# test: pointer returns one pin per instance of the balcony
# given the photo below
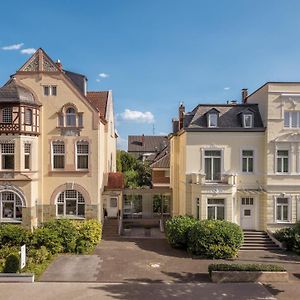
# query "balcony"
(230, 179)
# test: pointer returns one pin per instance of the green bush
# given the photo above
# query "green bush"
(38, 256)
(290, 237)
(287, 236)
(13, 235)
(245, 267)
(89, 235)
(66, 231)
(47, 237)
(177, 230)
(215, 239)
(5, 251)
(12, 264)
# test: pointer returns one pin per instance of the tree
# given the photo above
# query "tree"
(136, 173)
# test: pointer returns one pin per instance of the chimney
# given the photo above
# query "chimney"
(175, 125)
(59, 65)
(181, 115)
(244, 95)
(143, 139)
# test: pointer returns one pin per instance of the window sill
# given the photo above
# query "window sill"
(14, 221)
(69, 171)
(70, 217)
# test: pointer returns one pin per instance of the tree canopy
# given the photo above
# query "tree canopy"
(137, 173)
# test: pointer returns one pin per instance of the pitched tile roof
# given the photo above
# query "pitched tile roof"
(162, 160)
(115, 181)
(229, 117)
(147, 143)
(98, 101)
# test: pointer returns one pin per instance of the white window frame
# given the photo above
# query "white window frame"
(246, 115)
(2, 153)
(79, 201)
(57, 154)
(82, 154)
(210, 115)
(282, 161)
(253, 163)
(288, 119)
(16, 199)
(27, 152)
(221, 162)
(289, 209)
(215, 206)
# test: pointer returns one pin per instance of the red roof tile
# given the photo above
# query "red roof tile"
(115, 181)
(99, 101)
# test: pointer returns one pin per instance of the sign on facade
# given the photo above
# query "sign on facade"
(23, 257)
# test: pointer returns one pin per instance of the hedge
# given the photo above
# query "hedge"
(177, 230)
(13, 235)
(245, 267)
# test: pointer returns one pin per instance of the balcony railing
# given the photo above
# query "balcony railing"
(198, 178)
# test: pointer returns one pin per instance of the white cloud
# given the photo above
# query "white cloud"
(162, 133)
(137, 116)
(98, 80)
(226, 88)
(13, 47)
(103, 75)
(28, 51)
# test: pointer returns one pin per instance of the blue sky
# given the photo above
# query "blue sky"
(160, 52)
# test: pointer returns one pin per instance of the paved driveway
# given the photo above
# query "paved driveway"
(150, 260)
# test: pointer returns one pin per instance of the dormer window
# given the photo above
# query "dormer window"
(213, 120)
(247, 120)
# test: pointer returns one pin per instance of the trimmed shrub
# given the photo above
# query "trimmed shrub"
(215, 239)
(245, 267)
(12, 264)
(13, 235)
(47, 237)
(290, 237)
(66, 231)
(177, 230)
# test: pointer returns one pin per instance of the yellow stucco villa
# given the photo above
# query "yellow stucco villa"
(240, 162)
(57, 144)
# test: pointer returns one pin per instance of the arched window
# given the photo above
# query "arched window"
(71, 117)
(7, 115)
(28, 116)
(11, 205)
(70, 203)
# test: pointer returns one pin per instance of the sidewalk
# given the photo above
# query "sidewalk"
(133, 291)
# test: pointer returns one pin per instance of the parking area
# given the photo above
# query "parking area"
(150, 260)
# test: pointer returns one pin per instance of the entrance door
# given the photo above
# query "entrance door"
(112, 207)
(247, 213)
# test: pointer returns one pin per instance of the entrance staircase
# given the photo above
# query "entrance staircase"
(110, 229)
(258, 240)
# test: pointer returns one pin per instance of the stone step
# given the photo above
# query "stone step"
(244, 248)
